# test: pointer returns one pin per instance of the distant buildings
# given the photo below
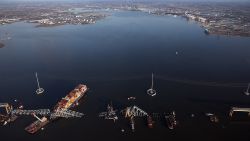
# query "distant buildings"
(196, 18)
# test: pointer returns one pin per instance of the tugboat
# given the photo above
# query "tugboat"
(171, 120)
(150, 122)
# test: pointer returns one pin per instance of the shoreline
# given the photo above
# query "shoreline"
(208, 29)
(217, 19)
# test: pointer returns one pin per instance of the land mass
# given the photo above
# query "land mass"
(48, 15)
(220, 18)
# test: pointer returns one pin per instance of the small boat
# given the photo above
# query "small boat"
(131, 98)
(206, 31)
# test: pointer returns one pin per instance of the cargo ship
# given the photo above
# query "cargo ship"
(67, 102)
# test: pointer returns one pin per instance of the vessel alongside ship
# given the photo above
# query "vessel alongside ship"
(171, 120)
(65, 103)
(37, 125)
(150, 122)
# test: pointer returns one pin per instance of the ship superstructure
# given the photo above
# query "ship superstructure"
(72, 98)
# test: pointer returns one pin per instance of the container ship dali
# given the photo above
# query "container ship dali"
(67, 102)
